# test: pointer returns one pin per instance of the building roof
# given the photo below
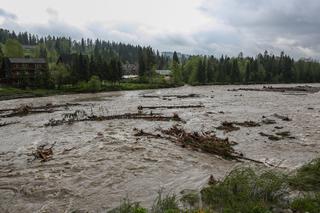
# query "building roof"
(163, 72)
(27, 60)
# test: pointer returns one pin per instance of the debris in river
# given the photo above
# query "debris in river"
(43, 153)
(204, 141)
(172, 96)
(233, 126)
(199, 141)
(81, 116)
(284, 118)
(270, 137)
(285, 134)
(228, 127)
(303, 89)
(268, 121)
(170, 107)
(278, 136)
(248, 124)
(7, 123)
(278, 127)
(24, 110)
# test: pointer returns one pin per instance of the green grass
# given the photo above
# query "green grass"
(165, 204)
(127, 206)
(245, 191)
(307, 178)
(309, 204)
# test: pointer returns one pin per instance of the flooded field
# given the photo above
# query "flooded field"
(96, 163)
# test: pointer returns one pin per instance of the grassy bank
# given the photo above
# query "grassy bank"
(7, 93)
(245, 190)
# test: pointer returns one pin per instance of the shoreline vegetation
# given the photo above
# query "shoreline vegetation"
(9, 92)
(244, 190)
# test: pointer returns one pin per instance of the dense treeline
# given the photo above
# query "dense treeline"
(266, 68)
(104, 59)
(85, 58)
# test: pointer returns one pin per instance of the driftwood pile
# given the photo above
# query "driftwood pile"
(206, 142)
(299, 89)
(81, 116)
(43, 154)
(25, 110)
(234, 126)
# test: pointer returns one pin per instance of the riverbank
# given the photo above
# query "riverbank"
(8, 93)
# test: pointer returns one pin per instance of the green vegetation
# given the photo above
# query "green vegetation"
(82, 87)
(128, 207)
(165, 203)
(13, 48)
(309, 204)
(247, 190)
(307, 177)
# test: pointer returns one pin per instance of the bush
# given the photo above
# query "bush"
(307, 204)
(307, 177)
(246, 192)
(94, 84)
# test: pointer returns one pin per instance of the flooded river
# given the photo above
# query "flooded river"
(96, 163)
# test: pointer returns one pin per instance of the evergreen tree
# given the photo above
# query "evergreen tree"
(175, 57)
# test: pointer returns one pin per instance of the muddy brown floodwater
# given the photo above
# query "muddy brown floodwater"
(96, 163)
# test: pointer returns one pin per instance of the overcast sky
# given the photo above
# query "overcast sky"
(189, 26)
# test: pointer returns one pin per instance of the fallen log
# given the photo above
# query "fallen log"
(298, 89)
(172, 96)
(170, 107)
(81, 116)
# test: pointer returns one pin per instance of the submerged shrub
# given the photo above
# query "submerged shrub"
(307, 177)
(246, 191)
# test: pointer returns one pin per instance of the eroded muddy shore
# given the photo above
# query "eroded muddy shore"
(97, 162)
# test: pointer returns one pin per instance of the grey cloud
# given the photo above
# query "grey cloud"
(52, 12)
(263, 23)
(52, 27)
(6, 14)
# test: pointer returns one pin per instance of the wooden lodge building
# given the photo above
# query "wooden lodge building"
(13, 68)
